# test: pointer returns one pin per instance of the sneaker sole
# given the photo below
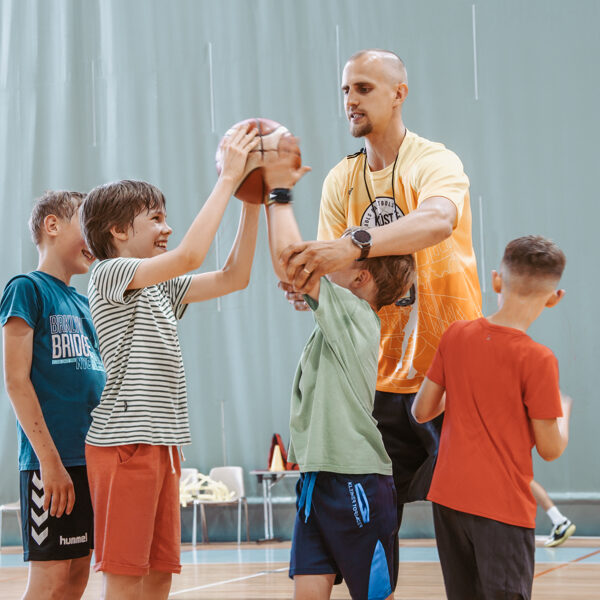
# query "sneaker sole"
(565, 536)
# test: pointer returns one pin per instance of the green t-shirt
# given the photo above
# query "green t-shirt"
(331, 425)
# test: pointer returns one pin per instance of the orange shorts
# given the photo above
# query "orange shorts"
(135, 496)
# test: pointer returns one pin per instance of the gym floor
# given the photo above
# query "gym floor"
(254, 571)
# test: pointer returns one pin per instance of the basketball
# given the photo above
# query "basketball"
(270, 133)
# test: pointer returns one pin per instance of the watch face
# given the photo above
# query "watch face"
(362, 236)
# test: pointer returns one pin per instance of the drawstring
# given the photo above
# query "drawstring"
(171, 455)
(308, 485)
(171, 459)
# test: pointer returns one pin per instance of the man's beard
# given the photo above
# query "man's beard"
(361, 130)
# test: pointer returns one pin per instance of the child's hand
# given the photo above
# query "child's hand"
(59, 493)
(235, 149)
(283, 172)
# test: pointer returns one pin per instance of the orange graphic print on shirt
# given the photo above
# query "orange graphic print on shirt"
(447, 285)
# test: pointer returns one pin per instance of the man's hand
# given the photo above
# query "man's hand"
(296, 299)
(306, 262)
(59, 493)
(285, 170)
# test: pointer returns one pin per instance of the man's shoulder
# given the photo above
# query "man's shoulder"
(420, 149)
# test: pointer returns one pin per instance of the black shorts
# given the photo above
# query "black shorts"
(50, 538)
(483, 559)
(346, 525)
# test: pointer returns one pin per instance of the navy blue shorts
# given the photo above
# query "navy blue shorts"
(350, 531)
(48, 538)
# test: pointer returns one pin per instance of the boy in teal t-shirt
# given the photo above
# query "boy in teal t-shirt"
(54, 377)
(346, 524)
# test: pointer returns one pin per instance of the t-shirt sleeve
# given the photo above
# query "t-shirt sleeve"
(332, 213)
(441, 173)
(111, 278)
(176, 289)
(334, 310)
(20, 299)
(436, 371)
(541, 388)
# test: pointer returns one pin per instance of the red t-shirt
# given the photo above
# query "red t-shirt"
(496, 380)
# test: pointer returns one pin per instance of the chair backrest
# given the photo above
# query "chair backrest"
(188, 475)
(232, 477)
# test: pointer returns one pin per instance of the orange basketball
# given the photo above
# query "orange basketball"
(253, 188)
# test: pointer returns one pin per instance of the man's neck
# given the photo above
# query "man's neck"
(382, 149)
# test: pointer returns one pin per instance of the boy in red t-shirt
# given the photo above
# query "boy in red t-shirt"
(500, 393)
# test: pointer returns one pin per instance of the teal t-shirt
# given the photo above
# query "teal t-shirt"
(66, 369)
(331, 425)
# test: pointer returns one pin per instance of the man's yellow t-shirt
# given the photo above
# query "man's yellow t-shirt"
(447, 283)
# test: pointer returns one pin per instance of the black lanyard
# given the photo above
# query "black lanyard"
(412, 296)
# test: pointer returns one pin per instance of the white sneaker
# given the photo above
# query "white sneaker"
(560, 533)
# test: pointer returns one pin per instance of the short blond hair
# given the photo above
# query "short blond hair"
(61, 203)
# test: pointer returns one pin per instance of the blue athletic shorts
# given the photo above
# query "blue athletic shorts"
(48, 538)
(346, 525)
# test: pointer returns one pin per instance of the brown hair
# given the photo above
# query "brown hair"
(393, 275)
(115, 204)
(61, 203)
(533, 258)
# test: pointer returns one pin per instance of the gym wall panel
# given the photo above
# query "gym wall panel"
(92, 91)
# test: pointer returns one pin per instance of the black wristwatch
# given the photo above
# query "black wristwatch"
(362, 238)
(280, 196)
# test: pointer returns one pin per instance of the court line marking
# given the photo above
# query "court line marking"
(566, 564)
(226, 581)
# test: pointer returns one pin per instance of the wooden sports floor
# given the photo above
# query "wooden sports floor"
(254, 571)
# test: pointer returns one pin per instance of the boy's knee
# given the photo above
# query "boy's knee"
(78, 578)
(51, 583)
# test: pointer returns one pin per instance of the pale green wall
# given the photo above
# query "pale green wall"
(97, 90)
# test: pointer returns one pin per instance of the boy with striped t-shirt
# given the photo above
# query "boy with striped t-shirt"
(137, 293)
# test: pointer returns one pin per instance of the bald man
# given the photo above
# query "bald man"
(409, 195)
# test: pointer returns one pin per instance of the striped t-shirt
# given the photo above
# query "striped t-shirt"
(144, 400)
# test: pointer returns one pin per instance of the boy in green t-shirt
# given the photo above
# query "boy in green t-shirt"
(346, 523)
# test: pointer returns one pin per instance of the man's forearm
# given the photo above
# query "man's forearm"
(427, 226)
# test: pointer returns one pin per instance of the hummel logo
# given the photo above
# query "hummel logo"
(79, 539)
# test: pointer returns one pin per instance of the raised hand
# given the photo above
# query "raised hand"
(234, 151)
(285, 170)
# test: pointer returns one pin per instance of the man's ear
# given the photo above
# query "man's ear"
(401, 93)
(496, 282)
(555, 298)
(119, 234)
(51, 225)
